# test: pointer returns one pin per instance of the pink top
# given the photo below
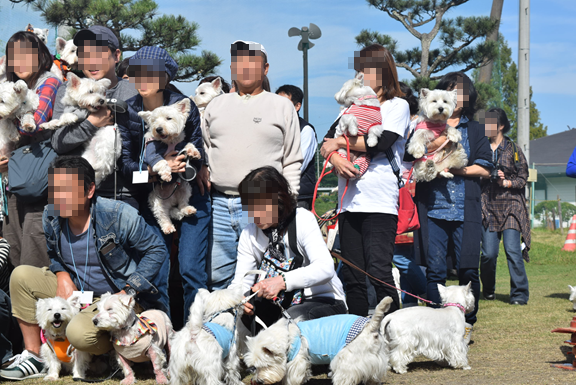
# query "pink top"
(436, 128)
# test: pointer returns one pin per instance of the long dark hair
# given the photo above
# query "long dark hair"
(44, 57)
(377, 56)
(460, 80)
(268, 183)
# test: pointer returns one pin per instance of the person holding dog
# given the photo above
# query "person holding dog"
(245, 130)
(504, 212)
(369, 216)
(28, 59)
(96, 245)
(151, 69)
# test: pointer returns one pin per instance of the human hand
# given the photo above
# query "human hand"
(501, 174)
(270, 287)
(102, 117)
(248, 308)
(203, 179)
(4, 166)
(329, 146)
(175, 161)
(436, 143)
(64, 285)
(343, 167)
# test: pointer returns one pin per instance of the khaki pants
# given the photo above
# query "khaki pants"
(29, 283)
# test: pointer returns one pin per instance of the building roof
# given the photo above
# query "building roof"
(555, 148)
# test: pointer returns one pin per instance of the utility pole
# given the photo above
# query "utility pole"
(524, 79)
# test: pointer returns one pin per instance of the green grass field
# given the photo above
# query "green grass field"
(512, 344)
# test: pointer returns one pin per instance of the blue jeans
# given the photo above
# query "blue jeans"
(512, 247)
(439, 234)
(412, 278)
(228, 221)
(192, 251)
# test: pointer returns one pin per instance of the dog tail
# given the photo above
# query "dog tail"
(196, 318)
(381, 309)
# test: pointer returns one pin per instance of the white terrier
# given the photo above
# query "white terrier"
(82, 97)
(166, 124)
(573, 296)
(136, 338)
(361, 117)
(16, 102)
(435, 108)
(3, 69)
(204, 352)
(42, 33)
(205, 92)
(67, 55)
(53, 315)
(435, 333)
(286, 350)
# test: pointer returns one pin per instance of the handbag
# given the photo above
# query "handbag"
(407, 214)
(28, 171)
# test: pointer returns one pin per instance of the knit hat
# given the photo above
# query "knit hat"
(157, 58)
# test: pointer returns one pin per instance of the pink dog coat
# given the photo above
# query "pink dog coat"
(436, 128)
(151, 326)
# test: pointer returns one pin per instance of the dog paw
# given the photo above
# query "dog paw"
(446, 174)
(193, 153)
(161, 379)
(372, 141)
(51, 377)
(188, 210)
(466, 368)
(128, 380)
(165, 175)
(168, 229)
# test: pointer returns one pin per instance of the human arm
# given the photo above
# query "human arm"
(64, 285)
(292, 156)
(571, 166)
(46, 96)
(471, 171)
(481, 165)
(309, 144)
(358, 143)
(518, 178)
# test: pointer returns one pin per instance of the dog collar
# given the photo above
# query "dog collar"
(456, 305)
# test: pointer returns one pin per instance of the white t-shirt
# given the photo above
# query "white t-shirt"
(377, 190)
(316, 276)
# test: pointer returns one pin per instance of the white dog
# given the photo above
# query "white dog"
(166, 124)
(204, 352)
(435, 333)
(53, 315)
(82, 97)
(286, 350)
(205, 92)
(435, 108)
(42, 33)
(66, 58)
(361, 117)
(573, 296)
(16, 102)
(136, 338)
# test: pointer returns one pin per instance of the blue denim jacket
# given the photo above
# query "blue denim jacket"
(133, 253)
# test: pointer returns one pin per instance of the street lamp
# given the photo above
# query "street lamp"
(307, 33)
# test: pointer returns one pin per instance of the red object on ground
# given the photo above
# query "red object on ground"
(572, 341)
(570, 244)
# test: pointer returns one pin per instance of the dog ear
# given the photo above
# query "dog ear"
(74, 301)
(469, 286)
(105, 82)
(570, 287)
(126, 300)
(217, 84)
(145, 115)
(40, 307)
(454, 94)
(60, 44)
(73, 80)
(441, 291)
(46, 31)
(184, 106)
(360, 77)
(424, 92)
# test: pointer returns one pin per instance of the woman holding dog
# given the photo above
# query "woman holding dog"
(29, 59)
(449, 209)
(369, 212)
(504, 212)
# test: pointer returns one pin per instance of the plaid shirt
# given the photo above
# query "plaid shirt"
(47, 95)
(505, 208)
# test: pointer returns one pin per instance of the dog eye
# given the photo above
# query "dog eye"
(433, 101)
(444, 101)
(168, 118)
(91, 91)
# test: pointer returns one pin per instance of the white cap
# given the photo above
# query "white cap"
(252, 46)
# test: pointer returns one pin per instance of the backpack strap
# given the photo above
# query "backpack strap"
(394, 165)
(296, 263)
(516, 156)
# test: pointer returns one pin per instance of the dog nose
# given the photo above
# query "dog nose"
(102, 101)
(160, 130)
(440, 109)
(57, 315)
(95, 321)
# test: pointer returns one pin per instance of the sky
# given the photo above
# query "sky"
(552, 53)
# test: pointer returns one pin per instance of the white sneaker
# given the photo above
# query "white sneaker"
(27, 365)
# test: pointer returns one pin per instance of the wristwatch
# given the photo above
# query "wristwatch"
(130, 291)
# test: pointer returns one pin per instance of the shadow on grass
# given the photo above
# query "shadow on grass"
(558, 295)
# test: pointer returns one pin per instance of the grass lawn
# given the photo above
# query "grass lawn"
(512, 344)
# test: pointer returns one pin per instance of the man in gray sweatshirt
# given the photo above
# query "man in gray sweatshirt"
(98, 54)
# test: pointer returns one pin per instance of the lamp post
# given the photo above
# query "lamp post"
(307, 33)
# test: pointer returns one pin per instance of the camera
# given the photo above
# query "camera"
(494, 174)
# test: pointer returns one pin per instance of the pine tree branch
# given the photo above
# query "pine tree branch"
(450, 56)
(414, 72)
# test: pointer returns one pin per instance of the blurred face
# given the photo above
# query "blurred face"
(24, 59)
(264, 212)
(97, 62)
(66, 192)
(463, 98)
(248, 71)
(491, 127)
(148, 81)
(373, 78)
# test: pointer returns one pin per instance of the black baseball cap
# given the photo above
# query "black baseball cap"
(101, 35)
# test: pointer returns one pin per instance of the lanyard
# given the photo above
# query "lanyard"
(72, 253)
(143, 140)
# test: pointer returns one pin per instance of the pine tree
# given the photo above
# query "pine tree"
(457, 36)
(175, 34)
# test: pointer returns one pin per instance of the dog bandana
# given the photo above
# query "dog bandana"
(151, 328)
(144, 326)
(222, 335)
(60, 348)
(327, 336)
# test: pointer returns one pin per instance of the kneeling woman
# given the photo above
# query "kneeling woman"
(286, 242)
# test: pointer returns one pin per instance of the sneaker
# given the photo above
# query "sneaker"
(468, 333)
(26, 365)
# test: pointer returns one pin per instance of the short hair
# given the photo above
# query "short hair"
(501, 118)
(75, 162)
(377, 56)
(451, 81)
(295, 93)
(122, 68)
(210, 79)
(44, 57)
(268, 182)
(410, 97)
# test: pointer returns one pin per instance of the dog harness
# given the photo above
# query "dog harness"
(327, 336)
(436, 128)
(222, 335)
(59, 347)
(144, 326)
(151, 328)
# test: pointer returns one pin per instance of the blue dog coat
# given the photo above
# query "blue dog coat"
(222, 335)
(327, 336)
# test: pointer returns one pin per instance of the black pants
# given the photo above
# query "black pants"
(11, 342)
(367, 241)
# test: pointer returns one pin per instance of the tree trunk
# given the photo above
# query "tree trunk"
(495, 14)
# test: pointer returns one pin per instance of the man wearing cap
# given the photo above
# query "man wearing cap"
(98, 54)
(244, 131)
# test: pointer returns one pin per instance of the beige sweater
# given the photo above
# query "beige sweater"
(243, 133)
